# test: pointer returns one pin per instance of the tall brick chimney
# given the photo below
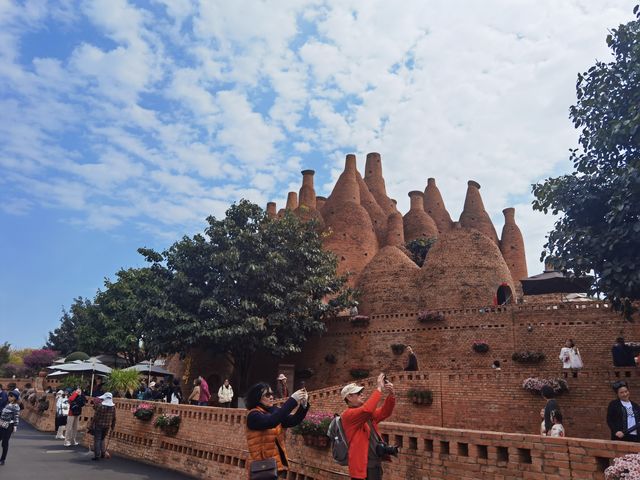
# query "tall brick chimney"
(474, 215)
(512, 246)
(434, 206)
(378, 217)
(307, 193)
(292, 201)
(417, 224)
(271, 209)
(346, 188)
(395, 232)
(375, 181)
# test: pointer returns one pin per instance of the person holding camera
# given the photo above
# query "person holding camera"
(360, 424)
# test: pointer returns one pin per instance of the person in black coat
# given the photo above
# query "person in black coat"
(622, 354)
(622, 415)
(552, 405)
(412, 360)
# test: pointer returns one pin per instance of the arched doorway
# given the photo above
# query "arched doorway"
(504, 295)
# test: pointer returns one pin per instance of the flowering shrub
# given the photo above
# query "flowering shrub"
(359, 320)
(480, 346)
(398, 348)
(143, 411)
(527, 357)
(167, 420)
(314, 424)
(535, 384)
(624, 468)
(429, 316)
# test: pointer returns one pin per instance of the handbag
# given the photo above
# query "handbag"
(263, 469)
(4, 424)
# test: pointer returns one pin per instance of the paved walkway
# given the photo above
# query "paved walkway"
(35, 455)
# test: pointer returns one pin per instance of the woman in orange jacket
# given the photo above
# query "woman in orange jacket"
(356, 422)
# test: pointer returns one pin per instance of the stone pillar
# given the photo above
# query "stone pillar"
(434, 206)
(474, 215)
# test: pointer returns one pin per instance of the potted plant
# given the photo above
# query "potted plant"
(168, 422)
(427, 316)
(535, 384)
(527, 356)
(359, 321)
(143, 411)
(480, 346)
(120, 381)
(398, 348)
(359, 372)
(313, 429)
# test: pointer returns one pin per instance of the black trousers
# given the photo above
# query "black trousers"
(99, 447)
(5, 435)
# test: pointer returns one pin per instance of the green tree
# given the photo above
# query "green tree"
(419, 248)
(249, 284)
(599, 203)
(4, 353)
(65, 338)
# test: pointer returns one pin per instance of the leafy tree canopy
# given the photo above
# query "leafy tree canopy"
(38, 359)
(599, 203)
(419, 248)
(249, 283)
(4, 353)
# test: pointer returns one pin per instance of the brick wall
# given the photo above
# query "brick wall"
(211, 444)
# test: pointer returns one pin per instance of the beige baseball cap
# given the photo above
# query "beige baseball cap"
(349, 389)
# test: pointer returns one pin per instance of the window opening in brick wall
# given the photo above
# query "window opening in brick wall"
(463, 449)
(503, 454)
(524, 455)
(602, 463)
(413, 443)
(483, 451)
(399, 440)
(428, 445)
(444, 448)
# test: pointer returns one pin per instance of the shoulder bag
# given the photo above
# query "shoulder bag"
(263, 469)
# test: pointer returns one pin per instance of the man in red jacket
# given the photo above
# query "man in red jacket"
(356, 422)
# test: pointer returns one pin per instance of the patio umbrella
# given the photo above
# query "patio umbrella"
(148, 368)
(85, 367)
(552, 281)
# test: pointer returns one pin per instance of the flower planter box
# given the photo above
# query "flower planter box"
(428, 317)
(420, 397)
(359, 321)
(359, 373)
(528, 357)
(480, 347)
(398, 348)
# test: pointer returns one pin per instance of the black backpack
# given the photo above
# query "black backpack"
(77, 404)
(339, 444)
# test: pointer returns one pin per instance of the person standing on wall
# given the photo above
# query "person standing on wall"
(225, 394)
(412, 360)
(203, 400)
(76, 402)
(9, 418)
(195, 393)
(552, 405)
(570, 356)
(622, 354)
(104, 419)
(623, 415)
(282, 390)
(266, 425)
(360, 424)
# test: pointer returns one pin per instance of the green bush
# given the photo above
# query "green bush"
(120, 381)
(76, 356)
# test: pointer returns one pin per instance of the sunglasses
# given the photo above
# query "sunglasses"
(267, 394)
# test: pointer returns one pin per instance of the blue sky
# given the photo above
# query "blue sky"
(125, 123)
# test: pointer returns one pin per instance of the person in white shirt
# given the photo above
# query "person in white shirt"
(225, 394)
(570, 356)
(623, 415)
(557, 430)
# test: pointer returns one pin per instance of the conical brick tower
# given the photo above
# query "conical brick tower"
(351, 235)
(434, 206)
(368, 201)
(395, 231)
(474, 215)
(307, 200)
(375, 181)
(512, 248)
(271, 210)
(417, 223)
(292, 203)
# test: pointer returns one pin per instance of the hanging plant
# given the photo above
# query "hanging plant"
(359, 372)
(330, 358)
(480, 347)
(427, 316)
(305, 373)
(398, 348)
(527, 357)
(420, 396)
(535, 384)
(143, 411)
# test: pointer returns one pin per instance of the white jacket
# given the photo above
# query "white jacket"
(571, 357)
(225, 395)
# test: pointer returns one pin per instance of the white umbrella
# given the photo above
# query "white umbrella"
(85, 367)
(147, 367)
